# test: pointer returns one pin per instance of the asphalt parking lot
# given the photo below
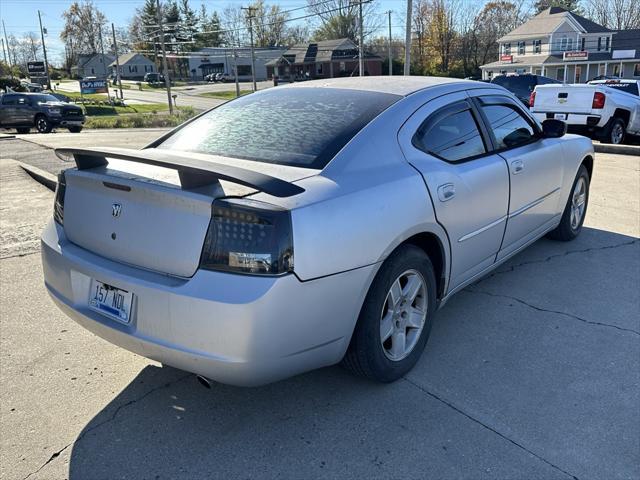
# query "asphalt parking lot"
(531, 373)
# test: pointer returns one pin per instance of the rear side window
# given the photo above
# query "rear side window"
(9, 99)
(302, 127)
(509, 127)
(454, 136)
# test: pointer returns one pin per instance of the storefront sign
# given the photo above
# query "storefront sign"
(93, 86)
(506, 58)
(568, 56)
(36, 69)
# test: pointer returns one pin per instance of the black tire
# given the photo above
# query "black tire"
(565, 231)
(43, 125)
(614, 132)
(23, 130)
(366, 354)
(75, 129)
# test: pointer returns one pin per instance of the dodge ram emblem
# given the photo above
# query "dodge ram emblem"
(116, 210)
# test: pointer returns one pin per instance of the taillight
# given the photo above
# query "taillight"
(598, 100)
(246, 236)
(58, 203)
(532, 99)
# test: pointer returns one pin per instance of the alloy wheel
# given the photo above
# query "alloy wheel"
(617, 133)
(578, 202)
(403, 315)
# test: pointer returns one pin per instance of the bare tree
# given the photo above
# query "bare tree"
(339, 19)
(614, 14)
(83, 23)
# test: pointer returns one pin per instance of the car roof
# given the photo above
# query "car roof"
(398, 85)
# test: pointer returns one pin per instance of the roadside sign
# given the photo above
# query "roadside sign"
(506, 58)
(575, 56)
(36, 69)
(93, 86)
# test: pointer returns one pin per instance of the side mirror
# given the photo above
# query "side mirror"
(552, 128)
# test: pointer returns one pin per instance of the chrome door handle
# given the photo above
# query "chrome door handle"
(446, 192)
(517, 166)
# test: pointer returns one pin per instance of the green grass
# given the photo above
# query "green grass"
(101, 110)
(227, 95)
(141, 120)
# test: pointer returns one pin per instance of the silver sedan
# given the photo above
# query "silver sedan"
(308, 225)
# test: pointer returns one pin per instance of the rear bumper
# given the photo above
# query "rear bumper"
(574, 119)
(235, 329)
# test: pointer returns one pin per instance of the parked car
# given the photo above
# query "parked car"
(608, 110)
(334, 234)
(522, 85)
(31, 87)
(153, 77)
(45, 112)
(226, 77)
(213, 77)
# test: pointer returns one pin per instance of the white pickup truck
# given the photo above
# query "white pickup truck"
(608, 110)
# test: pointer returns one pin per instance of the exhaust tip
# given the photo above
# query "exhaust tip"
(203, 381)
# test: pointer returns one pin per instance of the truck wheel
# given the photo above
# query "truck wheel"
(575, 209)
(23, 130)
(43, 125)
(615, 133)
(75, 129)
(396, 317)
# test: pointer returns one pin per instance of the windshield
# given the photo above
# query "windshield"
(302, 127)
(44, 98)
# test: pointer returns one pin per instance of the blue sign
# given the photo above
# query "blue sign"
(93, 86)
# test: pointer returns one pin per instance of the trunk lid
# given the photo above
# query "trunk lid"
(564, 98)
(140, 215)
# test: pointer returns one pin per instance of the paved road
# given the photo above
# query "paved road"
(188, 96)
(531, 373)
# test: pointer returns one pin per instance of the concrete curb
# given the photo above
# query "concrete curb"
(40, 176)
(619, 149)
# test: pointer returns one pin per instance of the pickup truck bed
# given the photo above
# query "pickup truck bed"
(606, 110)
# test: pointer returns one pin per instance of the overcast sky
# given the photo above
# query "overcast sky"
(21, 16)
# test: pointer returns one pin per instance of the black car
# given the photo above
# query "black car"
(522, 85)
(24, 111)
(153, 77)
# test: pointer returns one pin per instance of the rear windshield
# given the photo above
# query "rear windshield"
(302, 127)
(515, 83)
(624, 87)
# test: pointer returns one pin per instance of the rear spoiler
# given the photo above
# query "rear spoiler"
(193, 172)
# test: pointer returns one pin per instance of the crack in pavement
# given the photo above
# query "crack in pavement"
(545, 310)
(484, 425)
(551, 257)
(111, 419)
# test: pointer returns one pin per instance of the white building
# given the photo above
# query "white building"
(133, 66)
(221, 60)
(562, 45)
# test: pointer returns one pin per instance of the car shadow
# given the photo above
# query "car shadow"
(323, 424)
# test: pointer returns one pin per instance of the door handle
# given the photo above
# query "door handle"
(446, 192)
(517, 166)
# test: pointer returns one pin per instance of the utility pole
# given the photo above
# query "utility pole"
(44, 50)
(6, 42)
(360, 40)
(103, 60)
(253, 58)
(167, 81)
(390, 54)
(235, 72)
(407, 40)
(115, 48)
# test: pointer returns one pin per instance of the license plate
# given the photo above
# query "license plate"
(560, 116)
(110, 301)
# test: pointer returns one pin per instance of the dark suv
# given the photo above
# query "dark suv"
(522, 85)
(23, 111)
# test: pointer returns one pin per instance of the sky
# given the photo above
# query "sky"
(21, 16)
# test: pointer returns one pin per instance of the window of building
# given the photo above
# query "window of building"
(451, 136)
(319, 68)
(560, 74)
(616, 70)
(582, 43)
(506, 49)
(636, 70)
(606, 47)
(520, 48)
(538, 71)
(133, 69)
(537, 46)
(509, 126)
(244, 70)
(578, 74)
(603, 43)
(569, 44)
